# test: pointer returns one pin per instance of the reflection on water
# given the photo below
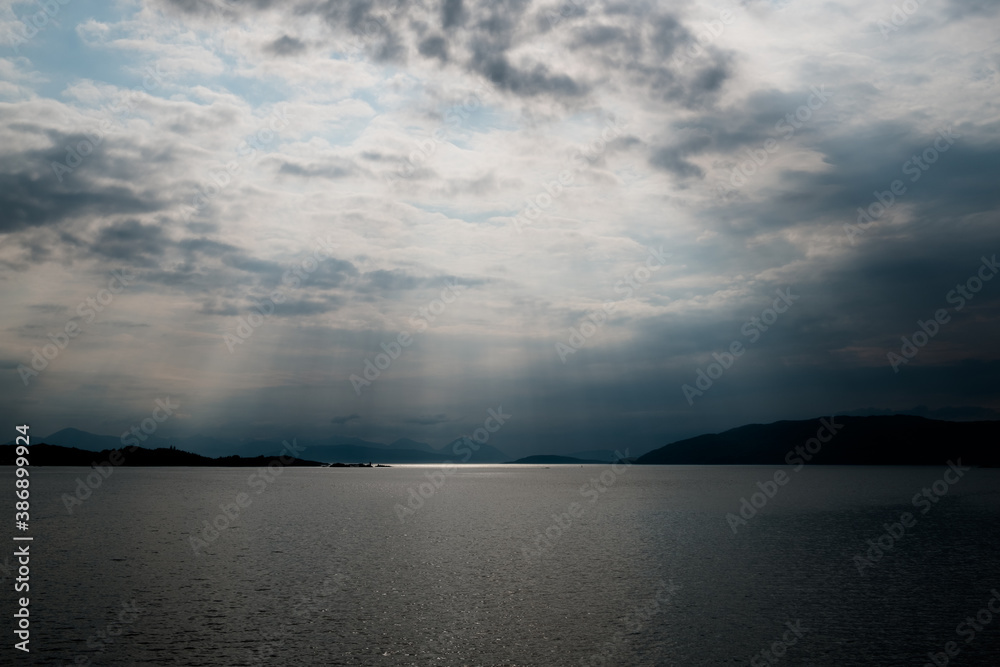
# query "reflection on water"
(512, 565)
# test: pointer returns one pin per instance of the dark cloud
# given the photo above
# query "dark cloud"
(697, 88)
(219, 307)
(673, 159)
(526, 82)
(131, 241)
(286, 46)
(552, 63)
(636, 40)
(963, 9)
(452, 13)
(205, 246)
(339, 168)
(330, 273)
(303, 307)
(388, 281)
(344, 419)
(598, 35)
(264, 267)
(434, 47)
(29, 200)
(667, 34)
(761, 116)
(392, 281)
(709, 80)
(428, 420)
(865, 162)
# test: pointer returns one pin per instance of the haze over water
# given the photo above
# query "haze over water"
(319, 569)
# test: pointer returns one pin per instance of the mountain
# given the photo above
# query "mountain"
(602, 455)
(464, 450)
(889, 440)
(406, 443)
(358, 442)
(74, 437)
(44, 454)
(458, 451)
(403, 450)
(253, 448)
(558, 460)
(362, 454)
(864, 440)
(205, 446)
(330, 450)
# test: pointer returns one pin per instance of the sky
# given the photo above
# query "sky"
(617, 223)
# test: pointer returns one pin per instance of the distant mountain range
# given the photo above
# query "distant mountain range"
(889, 440)
(330, 450)
(44, 454)
(846, 440)
(553, 459)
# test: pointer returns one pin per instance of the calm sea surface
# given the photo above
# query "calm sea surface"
(324, 567)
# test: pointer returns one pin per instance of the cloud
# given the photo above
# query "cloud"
(950, 413)
(434, 46)
(613, 39)
(501, 110)
(452, 13)
(286, 46)
(35, 199)
(130, 240)
(334, 169)
(49, 308)
(344, 419)
(428, 420)
(300, 307)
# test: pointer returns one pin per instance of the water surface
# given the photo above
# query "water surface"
(320, 569)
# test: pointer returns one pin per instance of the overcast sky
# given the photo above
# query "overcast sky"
(590, 201)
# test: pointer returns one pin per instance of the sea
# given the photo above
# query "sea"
(511, 565)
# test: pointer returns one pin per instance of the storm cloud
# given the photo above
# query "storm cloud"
(571, 209)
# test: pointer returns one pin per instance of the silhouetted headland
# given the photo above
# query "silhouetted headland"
(55, 455)
(882, 440)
